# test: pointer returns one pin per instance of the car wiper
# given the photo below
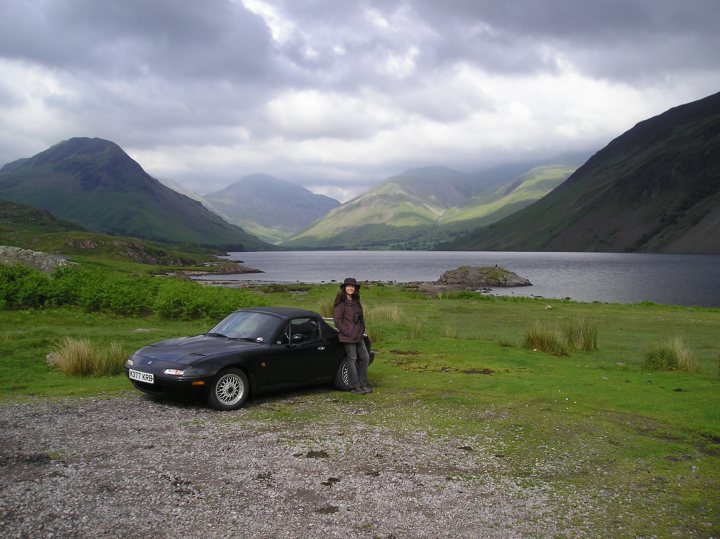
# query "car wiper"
(215, 334)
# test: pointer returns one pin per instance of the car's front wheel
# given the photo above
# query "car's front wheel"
(229, 390)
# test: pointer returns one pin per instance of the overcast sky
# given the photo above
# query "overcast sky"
(337, 95)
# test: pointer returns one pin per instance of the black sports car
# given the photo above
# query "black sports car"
(250, 351)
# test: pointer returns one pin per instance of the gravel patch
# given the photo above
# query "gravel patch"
(129, 466)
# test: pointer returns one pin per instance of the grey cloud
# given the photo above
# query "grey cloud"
(596, 35)
(134, 38)
(153, 74)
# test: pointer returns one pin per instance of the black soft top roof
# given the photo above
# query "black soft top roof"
(284, 312)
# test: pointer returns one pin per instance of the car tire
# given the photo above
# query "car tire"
(342, 377)
(229, 390)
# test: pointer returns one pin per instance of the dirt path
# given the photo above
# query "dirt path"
(127, 466)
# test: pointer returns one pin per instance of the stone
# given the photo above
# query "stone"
(42, 261)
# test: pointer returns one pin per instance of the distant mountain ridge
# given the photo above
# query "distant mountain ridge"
(422, 207)
(655, 188)
(269, 207)
(92, 182)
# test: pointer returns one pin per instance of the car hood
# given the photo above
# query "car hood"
(187, 350)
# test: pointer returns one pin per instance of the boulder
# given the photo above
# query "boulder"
(42, 261)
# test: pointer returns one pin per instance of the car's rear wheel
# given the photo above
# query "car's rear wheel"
(342, 378)
(229, 390)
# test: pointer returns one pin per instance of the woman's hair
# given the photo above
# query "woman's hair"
(341, 296)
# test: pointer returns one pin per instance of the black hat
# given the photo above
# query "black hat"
(350, 281)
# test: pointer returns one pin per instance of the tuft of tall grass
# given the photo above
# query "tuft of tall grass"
(326, 308)
(391, 313)
(79, 357)
(450, 331)
(671, 355)
(546, 338)
(417, 328)
(579, 334)
(582, 335)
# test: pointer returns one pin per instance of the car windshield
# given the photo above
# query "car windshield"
(247, 325)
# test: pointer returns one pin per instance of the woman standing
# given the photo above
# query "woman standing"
(348, 316)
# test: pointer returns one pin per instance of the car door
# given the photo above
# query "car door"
(300, 354)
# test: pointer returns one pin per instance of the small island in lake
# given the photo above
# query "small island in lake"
(476, 278)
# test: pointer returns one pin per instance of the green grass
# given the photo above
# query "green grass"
(643, 445)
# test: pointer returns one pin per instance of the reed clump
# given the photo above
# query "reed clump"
(577, 335)
(670, 355)
(80, 357)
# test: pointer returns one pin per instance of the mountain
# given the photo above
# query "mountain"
(422, 207)
(95, 184)
(655, 188)
(268, 207)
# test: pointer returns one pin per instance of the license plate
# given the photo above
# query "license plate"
(146, 377)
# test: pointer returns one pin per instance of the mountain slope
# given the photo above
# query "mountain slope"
(94, 183)
(655, 188)
(422, 207)
(268, 207)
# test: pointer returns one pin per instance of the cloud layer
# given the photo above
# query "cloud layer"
(339, 95)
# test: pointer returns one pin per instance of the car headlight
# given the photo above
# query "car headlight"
(174, 372)
(129, 362)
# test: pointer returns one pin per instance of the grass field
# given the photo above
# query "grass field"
(645, 446)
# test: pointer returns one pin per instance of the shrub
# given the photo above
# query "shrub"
(79, 357)
(22, 287)
(126, 295)
(672, 355)
(186, 300)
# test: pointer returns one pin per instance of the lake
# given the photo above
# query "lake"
(690, 280)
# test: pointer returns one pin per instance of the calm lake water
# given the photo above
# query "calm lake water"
(607, 277)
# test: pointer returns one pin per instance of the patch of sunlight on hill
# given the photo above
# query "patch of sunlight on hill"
(389, 206)
(535, 185)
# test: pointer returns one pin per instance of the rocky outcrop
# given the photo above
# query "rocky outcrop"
(476, 279)
(481, 277)
(42, 261)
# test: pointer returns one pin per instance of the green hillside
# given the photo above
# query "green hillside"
(424, 207)
(655, 188)
(38, 230)
(95, 184)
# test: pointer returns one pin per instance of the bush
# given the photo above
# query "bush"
(126, 295)
(186, 300)
(22, 287)
(79, 357)
(672, 355)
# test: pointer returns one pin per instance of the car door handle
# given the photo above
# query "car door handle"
(321, 348)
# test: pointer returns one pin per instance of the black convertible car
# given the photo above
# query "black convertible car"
(250, 351)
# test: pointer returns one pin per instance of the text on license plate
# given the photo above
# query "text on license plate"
(146, 377)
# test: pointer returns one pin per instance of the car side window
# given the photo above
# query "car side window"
(304, 329)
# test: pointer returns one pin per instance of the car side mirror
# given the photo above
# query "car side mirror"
(298, 337)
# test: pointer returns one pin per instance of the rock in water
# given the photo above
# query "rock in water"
(482, 276)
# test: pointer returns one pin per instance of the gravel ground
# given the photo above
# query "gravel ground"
(128, 466)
